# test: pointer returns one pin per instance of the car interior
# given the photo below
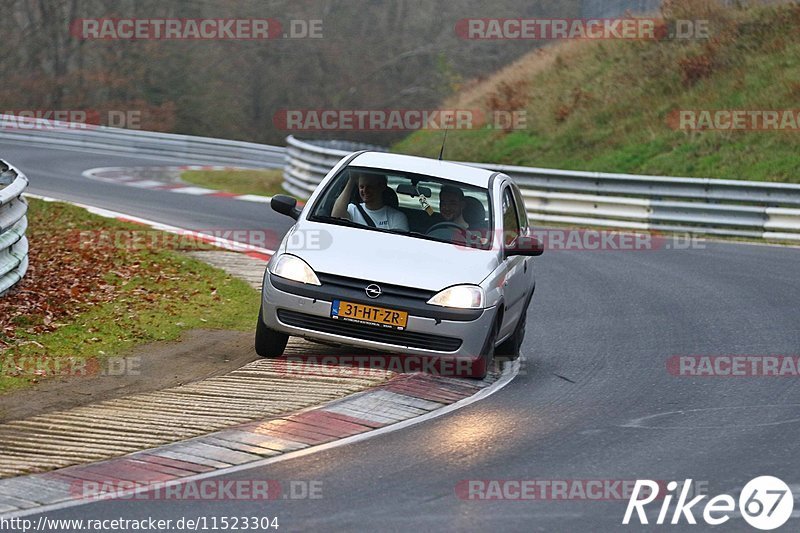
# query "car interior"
(405, 192)
(401, 187)
(419, 220)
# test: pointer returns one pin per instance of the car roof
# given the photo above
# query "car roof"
(477, 177)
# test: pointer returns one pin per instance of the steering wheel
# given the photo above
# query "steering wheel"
(442, 225)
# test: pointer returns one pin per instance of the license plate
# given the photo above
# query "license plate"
(367, 314)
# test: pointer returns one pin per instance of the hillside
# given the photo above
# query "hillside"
(610, 105)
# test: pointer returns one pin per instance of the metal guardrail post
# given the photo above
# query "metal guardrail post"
(13, 223)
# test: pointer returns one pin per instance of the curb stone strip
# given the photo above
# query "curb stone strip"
(148, 178)
(239, 445)
(162, 417)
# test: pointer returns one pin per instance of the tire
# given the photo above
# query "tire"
(510, 348)
(484, 362)
(269, 343)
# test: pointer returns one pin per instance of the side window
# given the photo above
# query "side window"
(521, 210)
(510, 217)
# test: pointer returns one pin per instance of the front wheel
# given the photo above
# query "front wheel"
(511, 347)
(486, 359)
(269, 343)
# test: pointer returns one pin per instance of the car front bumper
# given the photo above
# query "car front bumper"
(308, 317)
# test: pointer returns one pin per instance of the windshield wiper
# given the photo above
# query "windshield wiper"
(416, 234)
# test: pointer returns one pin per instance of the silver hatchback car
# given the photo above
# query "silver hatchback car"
(404, 255)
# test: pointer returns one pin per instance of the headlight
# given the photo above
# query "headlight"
(293, 268)
(460, 296)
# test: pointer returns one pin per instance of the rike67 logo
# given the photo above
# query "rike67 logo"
(765, 503)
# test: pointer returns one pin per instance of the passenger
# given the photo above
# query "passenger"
(371, 188)
(451, 205)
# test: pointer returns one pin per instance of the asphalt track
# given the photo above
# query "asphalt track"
(57, 173)
(601, 329)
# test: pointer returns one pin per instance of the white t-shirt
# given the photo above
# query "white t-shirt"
(384, 218)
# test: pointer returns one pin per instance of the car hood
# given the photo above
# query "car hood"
(386, 258)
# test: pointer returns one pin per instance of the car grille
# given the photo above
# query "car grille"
(388, 290)
(410, 339)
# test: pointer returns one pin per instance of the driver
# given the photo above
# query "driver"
(451, 205)
(370, 188)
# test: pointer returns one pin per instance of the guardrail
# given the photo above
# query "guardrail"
(188, 149)
(13, 223)
(689, 205)
(308, 162)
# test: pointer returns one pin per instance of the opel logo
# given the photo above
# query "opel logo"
(373, 291)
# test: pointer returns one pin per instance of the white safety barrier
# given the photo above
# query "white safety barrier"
(734, 208)
(13, 223)
(186, 148)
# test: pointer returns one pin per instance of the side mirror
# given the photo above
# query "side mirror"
(523, 245)
(285, 205)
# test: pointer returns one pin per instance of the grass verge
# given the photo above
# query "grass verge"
(87, 296)
(260, 182)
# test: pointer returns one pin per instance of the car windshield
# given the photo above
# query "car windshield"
(418, 206)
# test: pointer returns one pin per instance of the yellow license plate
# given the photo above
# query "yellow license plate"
(367, 314)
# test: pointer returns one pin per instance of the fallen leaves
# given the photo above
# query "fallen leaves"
(68, 275)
